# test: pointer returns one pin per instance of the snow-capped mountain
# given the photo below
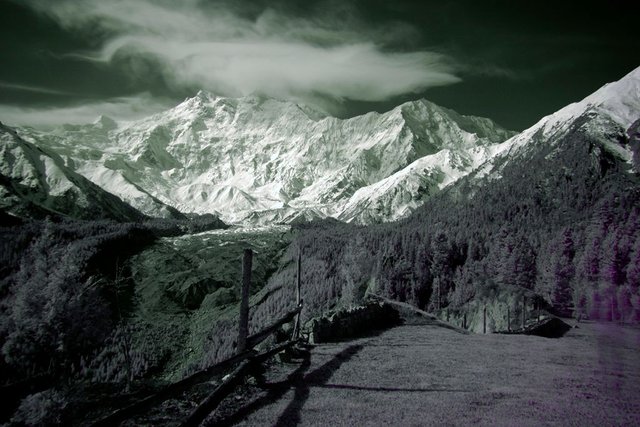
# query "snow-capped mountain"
(262, 160)
(36, 182)
(608, 112)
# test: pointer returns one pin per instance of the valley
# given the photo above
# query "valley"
(190, 284)
(122, 253)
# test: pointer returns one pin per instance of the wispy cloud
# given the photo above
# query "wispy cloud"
(33, 89)
(212, 46)
(124, 108)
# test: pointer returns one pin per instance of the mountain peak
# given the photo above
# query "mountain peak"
(37, 182)
(620, 99)
(280, 157)
(611, 109)
(204, 95)
(105, 123)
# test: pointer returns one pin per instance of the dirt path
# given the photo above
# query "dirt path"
(428, 375)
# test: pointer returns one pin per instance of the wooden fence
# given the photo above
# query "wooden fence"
(244, 361)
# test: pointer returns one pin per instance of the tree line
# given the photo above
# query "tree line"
(562, 220)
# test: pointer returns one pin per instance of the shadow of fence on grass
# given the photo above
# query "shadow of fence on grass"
(291, 415)
(300, 382)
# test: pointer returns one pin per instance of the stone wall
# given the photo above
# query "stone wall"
(351, 323)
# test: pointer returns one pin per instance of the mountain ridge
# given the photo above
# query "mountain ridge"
(36, 181)
(261, 160)
(617, 102)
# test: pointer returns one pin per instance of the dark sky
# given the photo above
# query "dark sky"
(512, 61)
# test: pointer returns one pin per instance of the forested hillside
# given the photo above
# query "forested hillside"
(63, 292)
(561, 220)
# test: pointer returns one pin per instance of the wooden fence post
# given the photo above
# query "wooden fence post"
(613, 316)
(538, 306)
(243, 325)
(296, 326)
(464, 321)
(524, 310)
(484, 320)
(508, 319)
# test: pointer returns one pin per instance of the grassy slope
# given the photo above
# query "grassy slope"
(426, 375)
(209, 264)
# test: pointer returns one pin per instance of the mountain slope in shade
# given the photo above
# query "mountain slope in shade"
(37, 182)
(262, 160)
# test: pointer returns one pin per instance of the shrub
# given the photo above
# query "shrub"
(47, 408)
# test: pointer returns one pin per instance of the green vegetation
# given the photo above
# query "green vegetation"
(106, 303)
(191, 284)
(563, 222)
(66, 301)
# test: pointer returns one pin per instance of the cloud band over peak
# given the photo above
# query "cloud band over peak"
(197, 45)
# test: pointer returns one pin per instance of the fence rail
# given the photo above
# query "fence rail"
(246, 358)
(212, 401)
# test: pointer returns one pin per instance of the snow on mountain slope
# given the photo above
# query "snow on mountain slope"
(401, 193)
(611, 109)
(260, 160)
(36, 182)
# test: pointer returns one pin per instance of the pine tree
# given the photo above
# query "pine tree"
(616, 259)
(595, 305)
(57, 313)
(633, 267)
(422, 279)
(625, 305)
(556, 272)
(564, 272)
(441, 269)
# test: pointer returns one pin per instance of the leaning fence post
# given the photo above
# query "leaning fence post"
(484, 320)
(243, 325)
(296, 326)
